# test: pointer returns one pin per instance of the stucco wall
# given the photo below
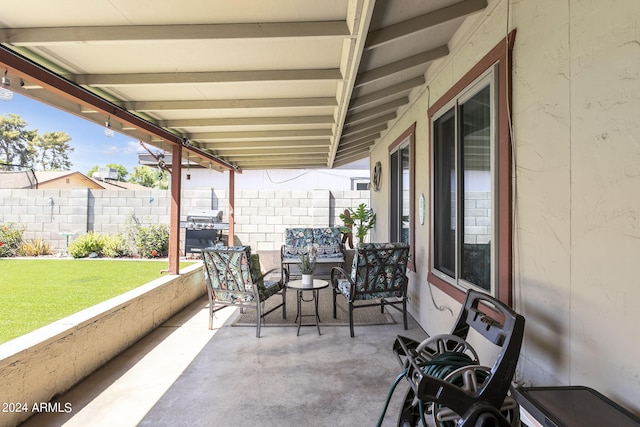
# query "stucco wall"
(261, 215)
(50, 360)
(576, 140)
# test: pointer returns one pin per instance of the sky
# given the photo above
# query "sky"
(91, 146)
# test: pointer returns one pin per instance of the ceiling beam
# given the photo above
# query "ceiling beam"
(260, 134)
(374, 131)
(364, 140)
(352, 157)
(247, 121)
(143, 33)
(356, 145)
(419, 23)
(294, 163)
(388, 70)
(349, 130)
(344, 162)
(365, 145)
(273, 145)
(388, 92)
(353, 50)
(379, 110)
(117, 80)
(225, 104)
(268, 151)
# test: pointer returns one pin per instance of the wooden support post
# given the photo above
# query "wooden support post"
(232, 203)
(174, 218)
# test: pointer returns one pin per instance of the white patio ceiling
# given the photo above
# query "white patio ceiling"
(260, 84)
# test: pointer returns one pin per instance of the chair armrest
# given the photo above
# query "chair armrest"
(263, 275)
(336, 272)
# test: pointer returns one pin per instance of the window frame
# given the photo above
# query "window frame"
(400, 142)
(500, 58)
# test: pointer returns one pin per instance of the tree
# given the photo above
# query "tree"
(16, 142)
(93, 170)
(149, 177)
(53, 151)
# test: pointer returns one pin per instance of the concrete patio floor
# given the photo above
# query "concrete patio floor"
(183, 374)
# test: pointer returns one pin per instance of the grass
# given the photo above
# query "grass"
(34, 293)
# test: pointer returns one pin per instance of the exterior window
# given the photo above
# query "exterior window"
(463, 217)
(359, 184)
(401, 172)
(470, 155)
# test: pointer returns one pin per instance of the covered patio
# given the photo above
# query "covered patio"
(550, 147)
(184, 374)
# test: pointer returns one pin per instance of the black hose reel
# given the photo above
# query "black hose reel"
(447, 381)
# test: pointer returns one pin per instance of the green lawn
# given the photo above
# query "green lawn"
(34, 293)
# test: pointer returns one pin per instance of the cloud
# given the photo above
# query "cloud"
(128, 147)
(133, 147)
(112, 149)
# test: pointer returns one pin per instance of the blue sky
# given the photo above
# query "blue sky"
(91, 146)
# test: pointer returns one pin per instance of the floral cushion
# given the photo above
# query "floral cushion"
(297, 240)
(266, 288)
(256, 270)
(378, 270)
(344, 286)
(229, 273)
(327, 241)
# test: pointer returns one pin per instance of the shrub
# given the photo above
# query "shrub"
(34, 247)
(86, 244)
(115, 246)
(153, 241)
(10, 239)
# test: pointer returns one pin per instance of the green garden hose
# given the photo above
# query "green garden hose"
(389, 394)
(439, 367)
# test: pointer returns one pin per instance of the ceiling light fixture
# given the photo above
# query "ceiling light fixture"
(108, 132)
(6, 94)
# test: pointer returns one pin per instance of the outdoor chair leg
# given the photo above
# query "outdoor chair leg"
(335, 315)
(351, 319)
(259, 319)
(404, 313)
(284, 303)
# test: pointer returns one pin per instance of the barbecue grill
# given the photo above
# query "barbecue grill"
(203, 229)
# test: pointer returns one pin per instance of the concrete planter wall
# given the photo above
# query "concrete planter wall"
(50, 360)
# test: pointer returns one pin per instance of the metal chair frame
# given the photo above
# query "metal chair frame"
(386, 266)
(228, 286)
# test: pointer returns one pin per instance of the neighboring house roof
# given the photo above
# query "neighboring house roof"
(20, 180)
(68, 179)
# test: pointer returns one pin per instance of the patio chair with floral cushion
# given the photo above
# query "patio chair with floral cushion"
(233, 277)
(378, 277)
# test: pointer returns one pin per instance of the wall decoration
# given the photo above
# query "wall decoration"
(377, 176)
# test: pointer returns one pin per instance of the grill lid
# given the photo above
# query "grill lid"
(199, 218)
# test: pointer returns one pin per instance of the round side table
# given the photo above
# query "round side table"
(300, 289)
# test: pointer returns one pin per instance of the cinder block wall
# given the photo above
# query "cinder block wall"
(261, 215)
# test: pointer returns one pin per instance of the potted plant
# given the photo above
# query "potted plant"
(308, 265)
(362, 218)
